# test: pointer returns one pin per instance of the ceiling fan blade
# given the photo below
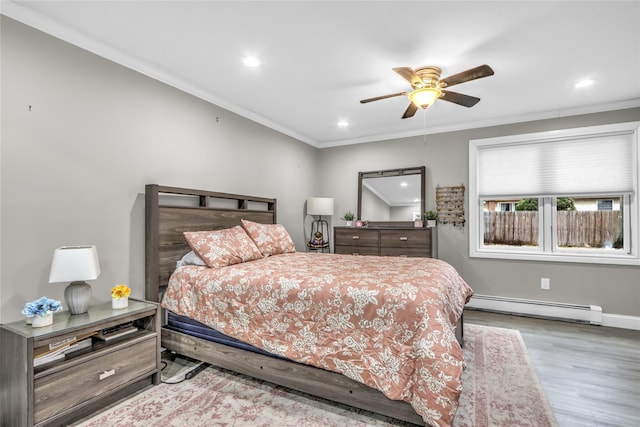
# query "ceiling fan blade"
(377, 98)
(409, 75)
(410, 111)
(465, 76)
(459, 98)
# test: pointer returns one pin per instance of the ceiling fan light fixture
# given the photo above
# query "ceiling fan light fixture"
(424, 97)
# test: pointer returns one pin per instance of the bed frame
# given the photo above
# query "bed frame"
(169, 212)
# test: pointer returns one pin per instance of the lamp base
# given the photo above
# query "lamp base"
(78, 297)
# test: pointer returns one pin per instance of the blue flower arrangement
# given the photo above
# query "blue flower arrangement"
(41, 307)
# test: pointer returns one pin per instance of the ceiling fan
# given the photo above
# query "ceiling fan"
(427, 87)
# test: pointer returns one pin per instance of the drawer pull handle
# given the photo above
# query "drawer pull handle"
(107, 374)
(355, 237)
(403, 238)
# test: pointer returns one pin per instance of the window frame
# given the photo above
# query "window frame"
(547, 249)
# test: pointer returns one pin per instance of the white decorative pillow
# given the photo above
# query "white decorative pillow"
(219, 248)
(271, 239)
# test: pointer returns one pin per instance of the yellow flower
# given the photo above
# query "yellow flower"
(120, 291)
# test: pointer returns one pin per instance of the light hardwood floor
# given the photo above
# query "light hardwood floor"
(591, 374)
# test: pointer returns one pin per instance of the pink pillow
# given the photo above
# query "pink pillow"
(271, 239)
(219, 248)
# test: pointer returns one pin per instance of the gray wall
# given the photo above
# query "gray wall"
(74, 167)
(615, 288)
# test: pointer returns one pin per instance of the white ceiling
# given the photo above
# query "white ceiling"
(319, 58)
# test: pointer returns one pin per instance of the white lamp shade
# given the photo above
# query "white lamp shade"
(320, 206)
(74, 263)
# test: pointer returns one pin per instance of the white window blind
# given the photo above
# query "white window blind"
(581, 164)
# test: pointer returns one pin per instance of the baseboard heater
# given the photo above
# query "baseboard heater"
(591, 314)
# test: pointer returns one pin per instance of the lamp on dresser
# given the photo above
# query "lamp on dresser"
(319, 236)
(75, 264)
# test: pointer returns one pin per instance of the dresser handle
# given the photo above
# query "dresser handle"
(403, 238)
(107, 374)
(355, 237)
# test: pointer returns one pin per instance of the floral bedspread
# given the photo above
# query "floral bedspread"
(387, 322)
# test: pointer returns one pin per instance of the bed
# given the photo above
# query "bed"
(313, 364)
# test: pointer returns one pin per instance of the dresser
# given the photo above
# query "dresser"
(407, 242)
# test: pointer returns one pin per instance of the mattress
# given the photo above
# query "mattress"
(196, 329)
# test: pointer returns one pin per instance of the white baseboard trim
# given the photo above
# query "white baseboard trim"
(621, 321)
(582, 313)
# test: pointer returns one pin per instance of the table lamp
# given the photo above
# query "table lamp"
(319, 237)
(75, 264)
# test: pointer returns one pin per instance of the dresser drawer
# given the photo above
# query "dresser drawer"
(356, 237)
(356, 250)
(407, 238)
(65, 389)
(406, 252)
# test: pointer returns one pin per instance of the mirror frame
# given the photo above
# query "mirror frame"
(420, 170)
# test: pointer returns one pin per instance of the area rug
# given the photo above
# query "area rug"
(501, 389)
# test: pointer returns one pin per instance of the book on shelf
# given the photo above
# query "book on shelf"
(48, 359)
(60, 345)
(61, 353)
(109, 334)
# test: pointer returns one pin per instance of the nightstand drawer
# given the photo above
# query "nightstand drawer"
(418, 238)
(356, 237)
(65, 389)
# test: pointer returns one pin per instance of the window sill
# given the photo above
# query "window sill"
(558, 257)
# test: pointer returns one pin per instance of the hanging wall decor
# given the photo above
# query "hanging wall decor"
(450, 205)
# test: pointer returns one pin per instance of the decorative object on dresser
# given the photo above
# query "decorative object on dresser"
(431, 217)
(62, 373)
(75, 264)
(40, 312)
(386, 241)
(348, 218)
(319, 235)
(120, 296)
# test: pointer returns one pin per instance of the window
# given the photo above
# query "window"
(567, 195)
(507, 206)
(605, 205)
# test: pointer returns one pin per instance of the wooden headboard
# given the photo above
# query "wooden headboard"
(170, 211)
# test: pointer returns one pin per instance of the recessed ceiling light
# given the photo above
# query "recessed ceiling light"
(584, 83)
(251, 61)
(404, 184)
(343, 123)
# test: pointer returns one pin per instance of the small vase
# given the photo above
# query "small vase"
(349, 223)
(117, 303)
(40, 321)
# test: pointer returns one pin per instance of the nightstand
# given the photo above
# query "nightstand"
(105, 369)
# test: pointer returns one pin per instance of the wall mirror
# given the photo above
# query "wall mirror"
(393, 197)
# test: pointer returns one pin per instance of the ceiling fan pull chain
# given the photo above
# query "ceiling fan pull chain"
(424, 124)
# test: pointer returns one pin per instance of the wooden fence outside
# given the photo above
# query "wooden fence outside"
(595, 229)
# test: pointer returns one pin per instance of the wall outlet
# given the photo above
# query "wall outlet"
(545, 284)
